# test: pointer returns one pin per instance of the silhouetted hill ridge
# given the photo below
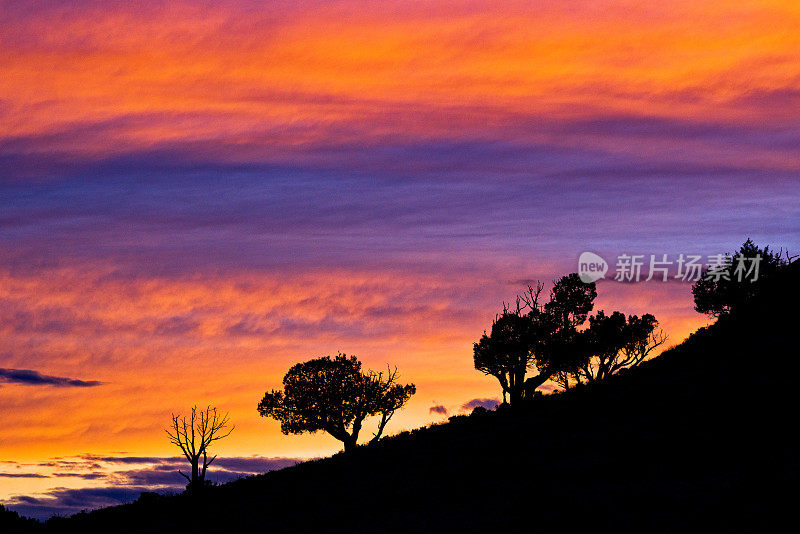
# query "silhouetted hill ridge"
(698, 437)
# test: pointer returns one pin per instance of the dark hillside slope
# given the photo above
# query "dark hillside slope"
(696, 437)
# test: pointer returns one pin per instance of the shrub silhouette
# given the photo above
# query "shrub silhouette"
(334, 395)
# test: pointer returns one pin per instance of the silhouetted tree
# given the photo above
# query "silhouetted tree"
(336, 396)
(731, 284)
(540, 338)
(511, 349)
(194, 435)
(568, 348)
(613, 343)
(571, 301)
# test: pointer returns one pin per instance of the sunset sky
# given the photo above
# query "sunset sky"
(194, 196)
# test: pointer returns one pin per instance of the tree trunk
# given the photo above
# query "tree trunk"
(534, 382)
(350, 444)
(194, 483)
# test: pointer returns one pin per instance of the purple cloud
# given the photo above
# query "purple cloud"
(438, 409)
(29, 377)
(489, 404)
(141, 474)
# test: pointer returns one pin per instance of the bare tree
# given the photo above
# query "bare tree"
(194, 434)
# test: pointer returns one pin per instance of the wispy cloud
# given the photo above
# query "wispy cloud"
(437, 409)
(67, 501)
(35, 378)
(489, 404)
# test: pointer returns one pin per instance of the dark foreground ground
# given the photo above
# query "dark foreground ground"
(699, 437)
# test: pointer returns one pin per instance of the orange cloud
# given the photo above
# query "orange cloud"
(273, 85)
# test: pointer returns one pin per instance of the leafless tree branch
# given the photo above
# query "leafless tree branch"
(194, 434)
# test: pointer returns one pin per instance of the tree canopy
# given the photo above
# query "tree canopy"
(334, 395)
(571, 300)
(514, 345)
(613, 343)
(727, 286)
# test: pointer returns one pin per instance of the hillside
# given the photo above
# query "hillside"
(696, 437)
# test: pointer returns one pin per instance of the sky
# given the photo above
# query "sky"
(195, 196)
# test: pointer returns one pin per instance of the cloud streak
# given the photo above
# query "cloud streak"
(489, 404)
(34, 378)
